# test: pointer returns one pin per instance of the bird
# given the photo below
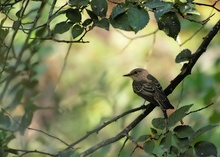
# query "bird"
(147, 86)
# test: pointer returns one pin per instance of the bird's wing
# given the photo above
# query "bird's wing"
(159, 95)
(143, 88)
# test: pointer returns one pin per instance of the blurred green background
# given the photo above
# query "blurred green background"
(83, 87)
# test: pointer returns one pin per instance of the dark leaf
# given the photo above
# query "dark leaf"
(99, 7)
(91, 14)
(3, 33)
(77, 30)
(165, 143)
(159, 123)
(117, 10)
(153, 3)
(189, 152)
(61, 27)
(73, 15)
(121, 22)
(178, 115)
(204, 149)
(149, 146)
(16, 25)
(170, 24)
(154, 131)
(167, 7)
(87, 22)
(137, 17)
(183, 131)
(103, 23)
(202, 131)
(78, 3)
(4, 121)
(184, 55)
(143, 138)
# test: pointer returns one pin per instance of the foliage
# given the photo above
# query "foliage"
(27, 25)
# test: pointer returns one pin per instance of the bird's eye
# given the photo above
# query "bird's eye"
(135, 72)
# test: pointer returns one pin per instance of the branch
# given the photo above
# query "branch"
(200, 109)
(96, 130)
(186, 70)
(122, 134)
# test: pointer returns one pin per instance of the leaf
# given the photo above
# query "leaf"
(202, 131)
(16, 25)
(91, 14)
(103, 23)
(62, 27)
(178, 115)
(77, 30)
(99, 7)
(149, 146)
(159, 123)
(121, 22)
(204, 149)
(143, 138)
(3, 33)
(87, 22)
(183, 131)
(78, 3)
(73, 15)
(170, 24)
(188, 152)
(154, 131)
(184, 55)
(165, 8)
(4, 121)
(117, 10)
(188, 9)
(165, 143)
(137, 17)
(152, 4)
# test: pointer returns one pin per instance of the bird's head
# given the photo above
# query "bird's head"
(138, 74)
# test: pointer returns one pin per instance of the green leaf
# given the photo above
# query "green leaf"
(183, 131)
(152, 4)
(189, 152)
(178, 115)
(4, 121)
(165, 8)
(183, 144)
(87, 22)
(103, 23)
(73, 15)
(117, 10)
(188, 9)
(77, 30)
(184, 55)
(16, 25)
(62, 27)
(78, 3)
(159, 123)
(202, 131)
(3, 33)
(149, 146)
(91, 14)
(204, 149)
(165, 143)
(143, 138)
(154, 131)
(137, 17)
(42, 32)
(121, 22)
(99, 7)
(170, 24)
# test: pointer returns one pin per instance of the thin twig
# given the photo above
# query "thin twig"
(200, 109)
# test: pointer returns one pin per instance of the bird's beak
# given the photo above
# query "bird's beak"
(127, 75)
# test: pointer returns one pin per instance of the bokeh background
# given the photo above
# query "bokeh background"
(81, 85)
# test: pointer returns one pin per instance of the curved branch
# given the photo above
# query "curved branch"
(186, 70)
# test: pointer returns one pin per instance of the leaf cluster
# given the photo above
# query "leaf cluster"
(169, 138)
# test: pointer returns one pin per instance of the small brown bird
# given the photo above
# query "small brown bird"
(147, 86)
